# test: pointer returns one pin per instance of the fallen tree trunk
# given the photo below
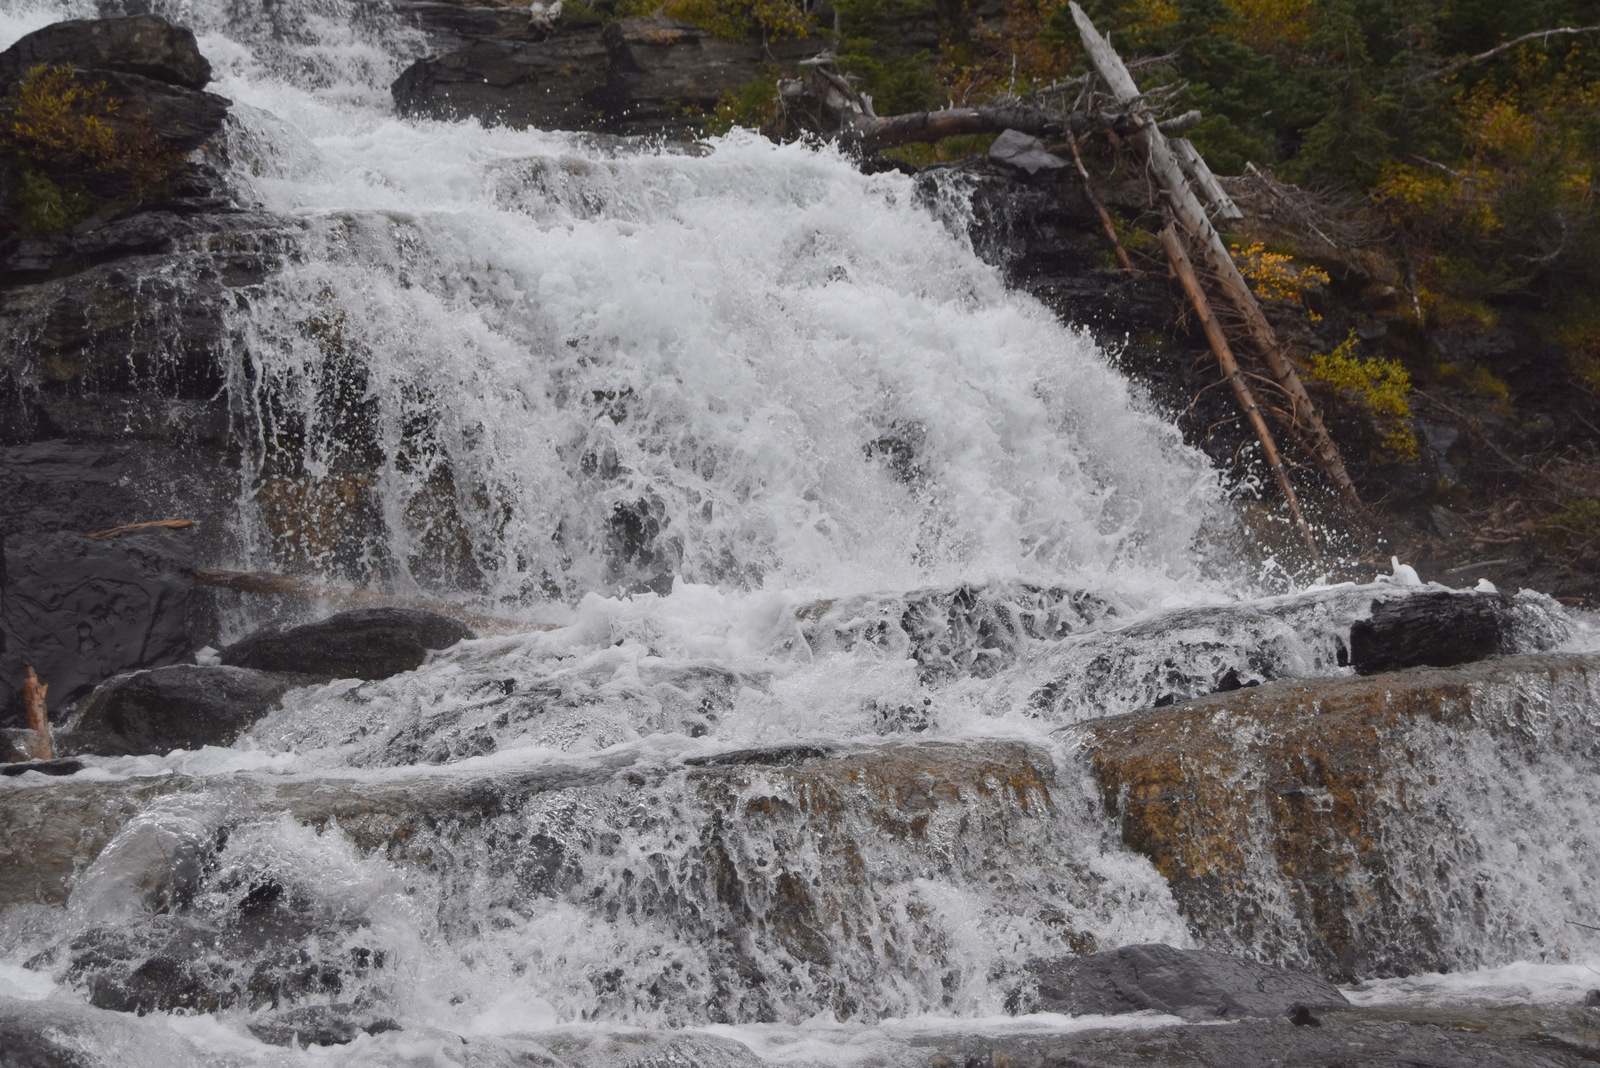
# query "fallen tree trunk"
(1303, 420)
(1241, 388)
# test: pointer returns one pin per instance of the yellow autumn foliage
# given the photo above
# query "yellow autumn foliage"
(1381, 387)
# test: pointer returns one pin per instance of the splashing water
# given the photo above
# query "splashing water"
(705, 406)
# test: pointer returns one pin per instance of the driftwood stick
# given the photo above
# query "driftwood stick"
(168, 524)
(1241, 389)
(1191, 214)
(33, 695)
(273, 584)
(1099, 208)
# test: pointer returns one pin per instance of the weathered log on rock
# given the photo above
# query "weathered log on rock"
(1432, 630)
(366, 643)
(1196, 984)
(1368, 826)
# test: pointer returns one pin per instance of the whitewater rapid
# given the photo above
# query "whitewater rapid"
(730, 418)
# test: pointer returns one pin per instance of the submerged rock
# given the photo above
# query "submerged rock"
(320, 1025)
(1193, 983)
(367, 643)
(184, 706)
(1366, 826)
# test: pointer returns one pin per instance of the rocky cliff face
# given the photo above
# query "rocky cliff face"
(111, 327)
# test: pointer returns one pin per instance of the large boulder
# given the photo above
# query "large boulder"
(553, 84)
(184, 706)
(367, 643)
(79, 610)
(646, 75)
(1368, 826)
(145, 45)
(1196, 984)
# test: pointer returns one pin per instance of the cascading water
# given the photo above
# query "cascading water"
(701, 408)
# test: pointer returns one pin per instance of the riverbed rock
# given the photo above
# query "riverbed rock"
(1366, 826)
(1196, 984)
(367, 643)
(184, 706)
(79, 610)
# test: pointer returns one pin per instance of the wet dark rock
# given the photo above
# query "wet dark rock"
(649, 75)
(1193, 983)
(246, 940)
(553, 84)
(368, 643)
(319, 1025)
(1433, 630)
(56, 766)
(144, 45)
(184, 706)
(79, 610)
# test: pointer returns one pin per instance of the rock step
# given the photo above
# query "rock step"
(1427, 820)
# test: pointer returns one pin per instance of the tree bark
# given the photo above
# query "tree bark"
(1099, 208)
(1304, 419)
(1241, 387)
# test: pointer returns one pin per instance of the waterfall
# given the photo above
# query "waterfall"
(796, 476)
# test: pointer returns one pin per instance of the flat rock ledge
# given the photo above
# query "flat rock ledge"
(1364, 827)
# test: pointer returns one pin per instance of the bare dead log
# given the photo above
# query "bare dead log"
(270, 583)
(33, 704)
(1099, 208)
(1236, 379)
(1186, 207)
(823, 99)
(167, 524)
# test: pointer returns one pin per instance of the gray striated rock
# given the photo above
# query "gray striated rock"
(1027, 154)
(1193, 983)
(79, 610)
(368, 643)
(184, 706)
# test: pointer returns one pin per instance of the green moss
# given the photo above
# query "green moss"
(45, 207)
(947, 150)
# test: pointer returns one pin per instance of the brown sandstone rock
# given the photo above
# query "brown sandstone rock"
(1367, 826)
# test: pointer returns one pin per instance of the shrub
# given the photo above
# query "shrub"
(1381, 387)
(73, 152)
